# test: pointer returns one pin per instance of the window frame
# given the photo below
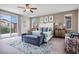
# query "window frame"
(65, 22)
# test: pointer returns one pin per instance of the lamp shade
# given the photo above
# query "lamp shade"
(64, 25)
(56, 24)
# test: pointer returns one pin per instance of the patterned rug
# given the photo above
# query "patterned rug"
(46, 48)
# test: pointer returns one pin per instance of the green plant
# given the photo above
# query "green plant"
(4, 29)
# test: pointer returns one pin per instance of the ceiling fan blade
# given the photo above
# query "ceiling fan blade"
(21, 7)
(31, 11)
(24, 10)
(34, 8)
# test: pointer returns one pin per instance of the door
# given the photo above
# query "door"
(5, 26)
(8, 26)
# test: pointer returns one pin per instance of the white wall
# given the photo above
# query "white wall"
(25, 24)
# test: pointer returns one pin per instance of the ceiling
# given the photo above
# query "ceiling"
(42, 9)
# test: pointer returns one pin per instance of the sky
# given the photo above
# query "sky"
(9, 18)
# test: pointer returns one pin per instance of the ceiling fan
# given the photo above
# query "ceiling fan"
(28, 7)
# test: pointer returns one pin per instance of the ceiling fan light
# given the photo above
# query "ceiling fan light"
(27, 9)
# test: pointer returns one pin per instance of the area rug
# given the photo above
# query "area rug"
(46, 48)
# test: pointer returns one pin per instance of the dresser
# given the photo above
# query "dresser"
(59, 33)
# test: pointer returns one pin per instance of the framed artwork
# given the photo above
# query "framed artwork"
(41, 19)
(46, 19)
(50, 18)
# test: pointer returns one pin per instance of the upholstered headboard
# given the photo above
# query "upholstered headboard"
(49, 25)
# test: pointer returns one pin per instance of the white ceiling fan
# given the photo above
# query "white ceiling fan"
(28, 7)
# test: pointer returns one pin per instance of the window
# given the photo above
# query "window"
(8, 25)
(4, 21)
(68, 21)
(14, 24)
(34, 23)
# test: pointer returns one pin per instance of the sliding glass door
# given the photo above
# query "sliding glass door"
(13, 25)
(8, 25)
(5, 26)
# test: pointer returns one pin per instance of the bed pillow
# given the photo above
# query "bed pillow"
(36, 33)
(45, 29)
(50, 29)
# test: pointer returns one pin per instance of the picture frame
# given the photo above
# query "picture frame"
(46, 19)
(50, 18)
(41, 19)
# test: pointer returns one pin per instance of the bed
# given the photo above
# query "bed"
(48, 33)
(47, 29)
(48, 36)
